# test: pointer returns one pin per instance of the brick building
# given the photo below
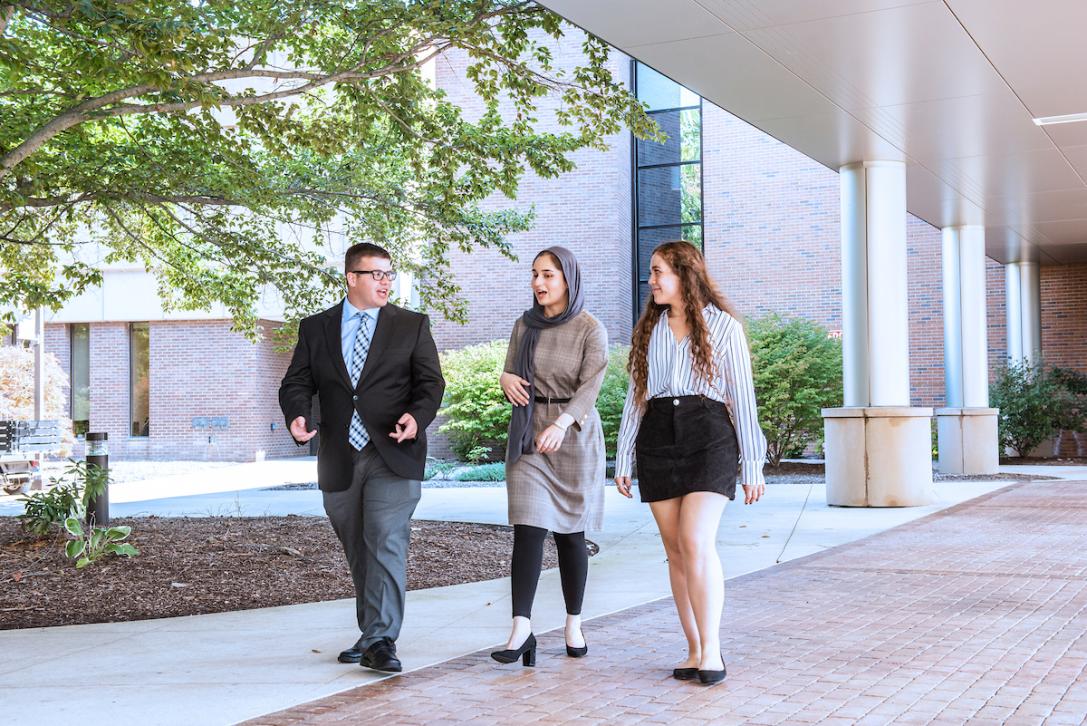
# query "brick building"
(184, 386)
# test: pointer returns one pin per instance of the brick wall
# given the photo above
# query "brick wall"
(1064, 316)
(203, 370)
(109, 382)
(773, 241)
(587, 210)
(198, 369)
(996, 311)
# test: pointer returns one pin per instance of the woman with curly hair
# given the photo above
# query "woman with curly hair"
(690, 421)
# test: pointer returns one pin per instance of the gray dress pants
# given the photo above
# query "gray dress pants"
(372, 518)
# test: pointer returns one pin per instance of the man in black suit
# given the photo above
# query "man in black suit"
(375, 368)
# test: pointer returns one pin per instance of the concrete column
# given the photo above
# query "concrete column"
(877, 446)
(1031, 315)
(1024, 311)
(875, 314)
(967, 427)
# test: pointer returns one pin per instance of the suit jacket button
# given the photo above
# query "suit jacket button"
(354, 398)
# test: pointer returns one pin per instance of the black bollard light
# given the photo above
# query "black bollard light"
(98, 456)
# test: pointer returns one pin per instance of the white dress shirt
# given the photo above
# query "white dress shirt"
(672, 373)
(349, 328)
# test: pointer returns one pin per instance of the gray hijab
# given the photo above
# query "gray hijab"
(521, 438)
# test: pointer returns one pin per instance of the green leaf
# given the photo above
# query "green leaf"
(203, 206)
(118, 533)
(83, 562)
(73, 526)
(75, 548)
(124, 550)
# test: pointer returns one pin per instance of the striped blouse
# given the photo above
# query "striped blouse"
(671, 373)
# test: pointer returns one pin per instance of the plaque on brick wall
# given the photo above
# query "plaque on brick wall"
(211, 422)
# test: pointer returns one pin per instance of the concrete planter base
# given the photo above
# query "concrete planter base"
(878, 456)
(967, 440)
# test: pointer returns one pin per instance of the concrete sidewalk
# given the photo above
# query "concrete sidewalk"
(977, 614)
(248, 476)
(227, 667)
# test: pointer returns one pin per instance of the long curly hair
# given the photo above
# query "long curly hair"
(698, 290)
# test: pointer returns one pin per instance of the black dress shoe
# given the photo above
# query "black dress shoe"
(352, 654)
(381, 656)
(684, 674)
(527, 653)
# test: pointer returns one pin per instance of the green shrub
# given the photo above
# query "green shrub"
(42, 510)
(90, 544)
(476, 411)
(613, 394)
(1034, 405)
(437, 469)
(1072, 414)
(483, 472)
(797, 368)
(70, 495)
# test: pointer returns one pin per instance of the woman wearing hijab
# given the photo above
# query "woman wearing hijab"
(555, 456)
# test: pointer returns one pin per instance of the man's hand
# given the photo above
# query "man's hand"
(298, 430)
(406, 428)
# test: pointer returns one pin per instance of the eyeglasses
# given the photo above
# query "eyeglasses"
(378, 275)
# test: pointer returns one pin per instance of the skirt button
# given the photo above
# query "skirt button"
(675, 401)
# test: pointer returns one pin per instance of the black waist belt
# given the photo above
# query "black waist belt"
(549, 400)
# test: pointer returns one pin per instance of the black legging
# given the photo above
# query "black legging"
(528, 559)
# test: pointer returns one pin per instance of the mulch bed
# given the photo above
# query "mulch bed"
(191, 566)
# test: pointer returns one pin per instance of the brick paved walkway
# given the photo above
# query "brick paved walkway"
(977, 614)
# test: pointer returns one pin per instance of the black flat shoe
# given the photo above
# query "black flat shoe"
(708, 678)
(381, 656)
(527, 653)
(352, 654)
(684, 674)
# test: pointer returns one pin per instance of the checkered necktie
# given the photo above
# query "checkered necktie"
(357, 433)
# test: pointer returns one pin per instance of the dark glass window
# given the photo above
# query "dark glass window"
(139, 366)
(667, 176)
(81, 377)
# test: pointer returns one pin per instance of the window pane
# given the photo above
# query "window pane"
(643, 296)
(81, 378)
(649, 239)
(684, 141)
(659, 197)
(140, 378)
(669, 195)
(691, 192)
(661, 92)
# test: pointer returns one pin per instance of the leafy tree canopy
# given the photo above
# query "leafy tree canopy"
(197, 137)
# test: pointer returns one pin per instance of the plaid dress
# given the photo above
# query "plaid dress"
(563, 491)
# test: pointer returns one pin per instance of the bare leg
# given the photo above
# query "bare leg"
(667, 514)
(699, 518)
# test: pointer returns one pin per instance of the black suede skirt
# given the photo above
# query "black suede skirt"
(686, 444)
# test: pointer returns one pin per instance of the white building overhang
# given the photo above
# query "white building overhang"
(950, 87)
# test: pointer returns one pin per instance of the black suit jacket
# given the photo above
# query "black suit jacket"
(402, 375)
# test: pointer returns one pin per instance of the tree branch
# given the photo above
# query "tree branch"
(47, 202)
(6, 13)
(92, 108)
